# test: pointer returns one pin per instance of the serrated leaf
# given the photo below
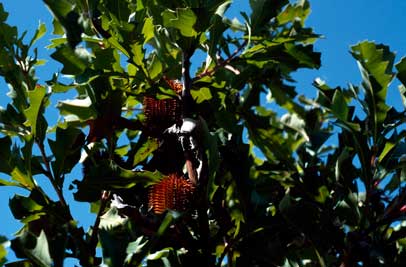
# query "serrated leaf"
(22, 177)
(66, 149)
(155, 68)
(159, 254)
(202, 94)
(82, 108)
(72, 63)
(22, 207)
(375, 63)
(324, 193)
(35, 248)
(182, 19)
(111, 219)
(136, 247)
(389, 145)
(36, 99)
(138, 56)
(8, 183)
(402, 91)
(3, 251)
(5, 151)
(298, 11)
(40, 32)
(64, 12)
(212, 154)
(339, 105)
(304, 54)
(263, 11)
(114, 237)
(401, 68)
(145, 150)
(148, 29)
(107, 175)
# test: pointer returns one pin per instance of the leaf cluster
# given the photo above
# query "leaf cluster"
(273, 189)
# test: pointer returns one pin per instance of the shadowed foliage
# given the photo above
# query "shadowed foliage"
(186, 164)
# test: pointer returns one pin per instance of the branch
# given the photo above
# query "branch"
(50, 176)
(95, 230)
(187, 100)
(222, 63)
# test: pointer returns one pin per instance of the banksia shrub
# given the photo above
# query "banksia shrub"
(173, 192)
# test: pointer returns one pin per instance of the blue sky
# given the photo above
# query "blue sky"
(342, 23)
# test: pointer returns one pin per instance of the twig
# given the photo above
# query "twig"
(50, 176)
(95, 230)
(221, 64)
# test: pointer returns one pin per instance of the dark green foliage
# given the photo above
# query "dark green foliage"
(272, 189)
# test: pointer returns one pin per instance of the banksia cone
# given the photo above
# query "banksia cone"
(161, 114)
(173, 192)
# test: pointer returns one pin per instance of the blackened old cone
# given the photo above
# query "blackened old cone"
(161, 114)
(173, 192)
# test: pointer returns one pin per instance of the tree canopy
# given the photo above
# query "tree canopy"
(184, 163)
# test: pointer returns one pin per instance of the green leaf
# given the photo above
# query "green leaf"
(68, 18)
(138, 56)
(182, 19)
(376, 64)
(22, 207)
(324, 193)
(148, 29)
(3, 13)
(107, 175)
(114, 237)
(402, 91)
(40, 32)
(136, 247)
(304, 54)
(72, 63)
(5, 155)
(3, 251)
(112, 219)
(292, 13)
(202, 94)
(170, 217)
(82, 108)
(377, 60)
(401, 68)
(159, 254)
(20, 175)
(8, 183)
(12, 164)
(145, 150)
(36, 99)
(263, 11)
(339, 106)
(66, 149)
(155, 68)
(212, 155)
(35, 248)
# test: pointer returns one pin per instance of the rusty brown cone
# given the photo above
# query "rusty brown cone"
(173, 192)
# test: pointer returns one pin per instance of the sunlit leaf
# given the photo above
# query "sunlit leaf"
(35, 248)
(82, 108)
(66, 149)
(145, 150)
(39, 33)
(202, 94)
(148, 29)
(72, 62)
(36, 99)
(376, 64)
(182, 19)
